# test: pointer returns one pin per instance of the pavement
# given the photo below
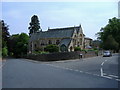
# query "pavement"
(95, 72)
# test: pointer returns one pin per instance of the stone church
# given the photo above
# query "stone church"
(66, 38)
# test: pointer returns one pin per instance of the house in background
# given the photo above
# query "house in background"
(66, 38)
(88, 43)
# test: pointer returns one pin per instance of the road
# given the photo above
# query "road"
(96, 72)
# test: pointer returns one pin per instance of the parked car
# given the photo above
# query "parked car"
(107, 54)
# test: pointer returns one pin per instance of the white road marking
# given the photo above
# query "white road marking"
(105, 60)
(101, 71)
(113, 76)
(102, 63)
(118, 80)
(81, 71)
(107, 77)
(96, 75)
(77, 70)
(102, 74)
(88, 73)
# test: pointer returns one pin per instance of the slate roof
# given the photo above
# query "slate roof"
(67, 28)
(65, 33)
(53, 33)
(66, 42)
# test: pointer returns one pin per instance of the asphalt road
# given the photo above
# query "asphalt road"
(97, 72)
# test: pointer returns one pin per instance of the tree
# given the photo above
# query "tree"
(5, 34)
(4, 51)
(110, 43)
(19, 44)
(110, 32)
(34, 25)
(5, 37)
(51, 48)
(0, 39)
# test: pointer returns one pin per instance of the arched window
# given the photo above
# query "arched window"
(42, 43)
(71, 48)
(75, 36)
(80, 35)
(50, 42)
(35, 45)
(80, 41)
(57, 42)
(63, 48)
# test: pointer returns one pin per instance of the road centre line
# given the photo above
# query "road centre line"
(118, 80)
(101, 70)
(108, 77)
(102, 74)
(105, 60)
(102, 63)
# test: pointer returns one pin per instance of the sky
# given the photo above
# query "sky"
(91, 15)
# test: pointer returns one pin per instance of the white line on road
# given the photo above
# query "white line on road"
(113, 76)
(104, 75)
(102, 63)
(81, 71)
(107, 77)
(105, 60)
(70, 69)
(101, 71)
(76, 70)
(118, 80)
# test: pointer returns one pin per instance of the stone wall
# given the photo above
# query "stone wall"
(61, 56)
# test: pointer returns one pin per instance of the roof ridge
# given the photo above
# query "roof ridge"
(64, 28)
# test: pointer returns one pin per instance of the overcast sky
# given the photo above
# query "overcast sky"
(91, 15)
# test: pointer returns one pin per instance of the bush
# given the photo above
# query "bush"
(40, 52)
(85, 50)
(4, 51)
(51, 48)
(96, 52)
(77, 49)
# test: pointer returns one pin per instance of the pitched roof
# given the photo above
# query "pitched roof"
(52, 34)
(55, 33)
(67, 28)
(66, 42)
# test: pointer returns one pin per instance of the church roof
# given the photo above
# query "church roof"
(52, 34)
(66, 28)
(66, 42)
(55, 33)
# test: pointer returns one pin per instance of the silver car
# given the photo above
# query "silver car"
(107, 54)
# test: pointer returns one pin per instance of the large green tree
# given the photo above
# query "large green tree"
(5, 34)
(34, 25)
(110, 34)
(5, 37)
(19, 44)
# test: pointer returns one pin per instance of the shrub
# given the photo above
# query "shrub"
(51, 48)
(4, 51)
(85, 50)
(77, 49)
